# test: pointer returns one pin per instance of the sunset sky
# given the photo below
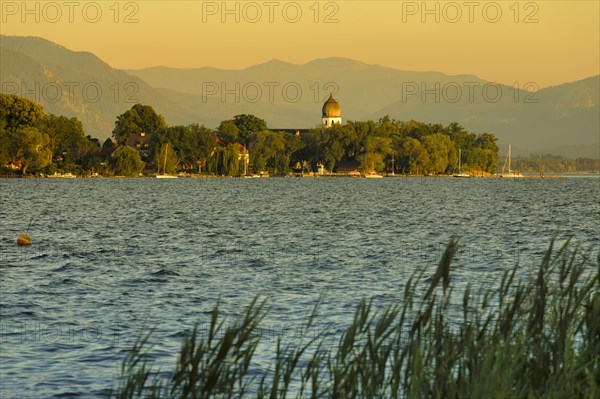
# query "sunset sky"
(546, 42)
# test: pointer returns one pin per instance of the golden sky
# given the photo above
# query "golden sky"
(545, 42)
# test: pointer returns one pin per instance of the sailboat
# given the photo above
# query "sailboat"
(506, 166)
(460, 172)
(164, 175)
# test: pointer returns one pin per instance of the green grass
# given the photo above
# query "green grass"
(538, 338)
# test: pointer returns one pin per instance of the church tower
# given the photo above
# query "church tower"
(332, 113)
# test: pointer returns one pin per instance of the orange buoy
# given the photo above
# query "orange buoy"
(23, 240)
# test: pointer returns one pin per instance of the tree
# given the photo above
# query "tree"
(94, 140)
(311, 152)
(293, 147)
(108, 143)
(205, 144)
(248, 124)
(271, 151)
(348, 139)
(18, 112)
(126, 161)
(228, 132)
(140, 118)
(413, 156)
(231, 160)
(376, 149)
(66, 135)
(31, 148)
(441, 150)
(166, 159)
(5, 144)
(488, 158)
(87, 154)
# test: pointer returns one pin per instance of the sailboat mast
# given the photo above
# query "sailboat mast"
(509, 158)
(165, 164)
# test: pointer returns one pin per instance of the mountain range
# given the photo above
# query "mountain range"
(563, 119)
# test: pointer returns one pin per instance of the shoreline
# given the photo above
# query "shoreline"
(315, 176)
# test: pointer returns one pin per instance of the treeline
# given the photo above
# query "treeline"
(550, 163)
(409, 147)
(33, 140)
(43, 143)
(244, 144)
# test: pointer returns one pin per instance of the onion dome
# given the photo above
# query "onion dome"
(331, 108)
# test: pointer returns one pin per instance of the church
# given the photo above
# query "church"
(332, 113)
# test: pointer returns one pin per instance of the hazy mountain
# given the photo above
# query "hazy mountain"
(564, 119)
(76, 84)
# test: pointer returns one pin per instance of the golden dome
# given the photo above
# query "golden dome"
(331, 108)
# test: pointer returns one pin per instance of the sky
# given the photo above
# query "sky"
(510, 42)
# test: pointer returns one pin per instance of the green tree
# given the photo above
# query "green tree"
(294, 147)
(376, 149)
(18, 112)
(205, 144)
(248, 124)
(140, 118)
(6, 144)
(488, 157)
(166, 159)
(108, 143)
(232, 160)
(311, 152)
(228, 132)
(94, 140)
(182, 146)
(66, 135)
(31, 148)
(413, 156)
(271, 151)
(348, 139)
(88, 154)
(441, 151)
(126, 161)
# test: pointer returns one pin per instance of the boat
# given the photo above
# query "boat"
(460, 173)
(164, 175)
(57, 175)
(373, 175)
(506, 171)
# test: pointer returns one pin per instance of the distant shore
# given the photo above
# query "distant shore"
(298, 175)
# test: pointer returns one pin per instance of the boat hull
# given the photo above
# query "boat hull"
(512, 176)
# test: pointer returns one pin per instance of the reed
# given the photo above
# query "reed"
(538, 337)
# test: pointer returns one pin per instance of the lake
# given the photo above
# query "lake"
(113, 258)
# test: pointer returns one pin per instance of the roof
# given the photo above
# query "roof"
(138, 140)
(347, 166)
(331, 108)
(292, 131)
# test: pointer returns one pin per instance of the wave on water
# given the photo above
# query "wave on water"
(165, 272)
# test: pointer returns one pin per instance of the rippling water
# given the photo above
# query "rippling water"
(113, 258)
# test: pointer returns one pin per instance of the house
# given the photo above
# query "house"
(14, 165)
(244, 156)
(141, 142)
(350, 167)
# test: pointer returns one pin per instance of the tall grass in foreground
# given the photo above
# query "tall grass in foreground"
(521, 339)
